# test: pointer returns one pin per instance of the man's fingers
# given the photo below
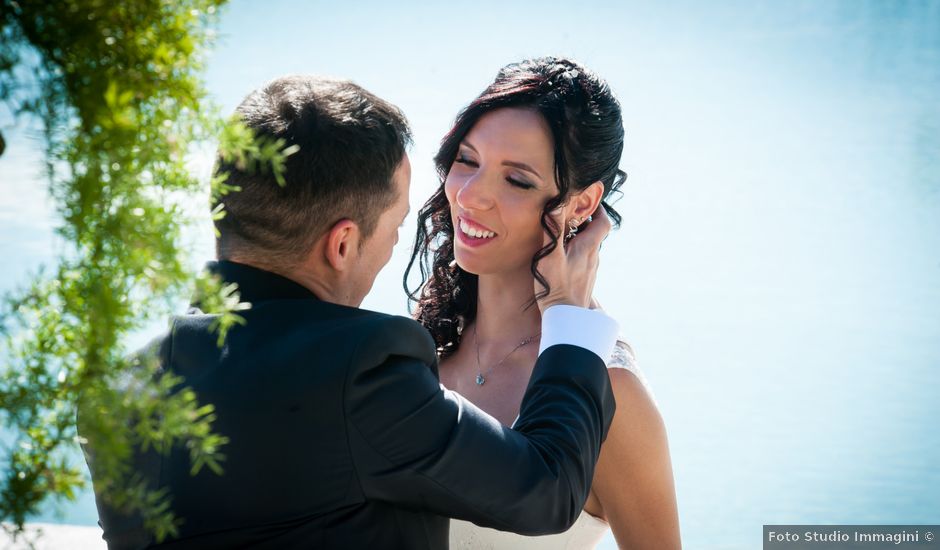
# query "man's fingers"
(596, 231)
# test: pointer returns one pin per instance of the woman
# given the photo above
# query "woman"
(547, 134)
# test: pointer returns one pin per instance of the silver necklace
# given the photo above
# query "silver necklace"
(481, 376)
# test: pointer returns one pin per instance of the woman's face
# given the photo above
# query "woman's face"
(503, 175)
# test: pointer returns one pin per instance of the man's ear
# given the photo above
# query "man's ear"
(585, 202)
(342, 245)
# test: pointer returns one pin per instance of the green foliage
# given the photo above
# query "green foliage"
(116, 87)
(239, 146)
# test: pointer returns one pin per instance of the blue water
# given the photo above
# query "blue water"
(778, 270)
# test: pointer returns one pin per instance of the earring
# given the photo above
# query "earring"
(572, 229)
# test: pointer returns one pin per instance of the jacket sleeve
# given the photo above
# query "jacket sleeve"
(417, 445)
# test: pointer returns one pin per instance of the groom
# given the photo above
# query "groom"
(340, 433)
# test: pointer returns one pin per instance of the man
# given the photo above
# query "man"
(340, 433)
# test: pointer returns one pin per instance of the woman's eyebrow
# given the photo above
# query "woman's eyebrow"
(469, 145)
(522, 166)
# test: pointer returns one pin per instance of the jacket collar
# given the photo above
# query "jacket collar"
(257, 285)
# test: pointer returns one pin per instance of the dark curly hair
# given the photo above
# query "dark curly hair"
(587, 129)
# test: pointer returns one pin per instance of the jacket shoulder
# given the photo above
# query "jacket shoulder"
(383, 336)
(372, 336)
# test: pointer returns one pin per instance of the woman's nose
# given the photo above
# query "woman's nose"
(474, 194)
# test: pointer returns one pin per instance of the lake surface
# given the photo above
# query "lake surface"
(778, 269)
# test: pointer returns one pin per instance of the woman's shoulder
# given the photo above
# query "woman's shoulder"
(634, 471)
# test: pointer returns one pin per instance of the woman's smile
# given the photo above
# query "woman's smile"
(472, 234)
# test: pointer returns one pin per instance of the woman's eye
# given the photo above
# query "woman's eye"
(519, 183)
(464, 160)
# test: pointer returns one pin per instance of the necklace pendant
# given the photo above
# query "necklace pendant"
(480, 379)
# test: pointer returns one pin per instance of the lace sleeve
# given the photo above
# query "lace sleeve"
(623, 356)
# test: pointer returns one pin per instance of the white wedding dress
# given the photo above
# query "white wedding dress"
(587, 530)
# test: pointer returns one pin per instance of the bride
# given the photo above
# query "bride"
(543, 140)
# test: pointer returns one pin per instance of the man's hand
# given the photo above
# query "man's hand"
(571, 271)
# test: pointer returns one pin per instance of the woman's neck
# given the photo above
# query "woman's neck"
(506, 311)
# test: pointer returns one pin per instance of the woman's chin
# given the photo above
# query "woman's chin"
(476, 262)
(469, 264)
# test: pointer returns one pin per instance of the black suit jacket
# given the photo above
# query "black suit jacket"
(342, 437)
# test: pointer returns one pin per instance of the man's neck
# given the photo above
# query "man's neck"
(317, 285)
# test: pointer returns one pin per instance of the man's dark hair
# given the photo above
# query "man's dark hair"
(350, 144)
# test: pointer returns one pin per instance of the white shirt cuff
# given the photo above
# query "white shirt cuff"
(590, 329)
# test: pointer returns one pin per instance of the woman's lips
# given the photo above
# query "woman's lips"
(468, 231)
